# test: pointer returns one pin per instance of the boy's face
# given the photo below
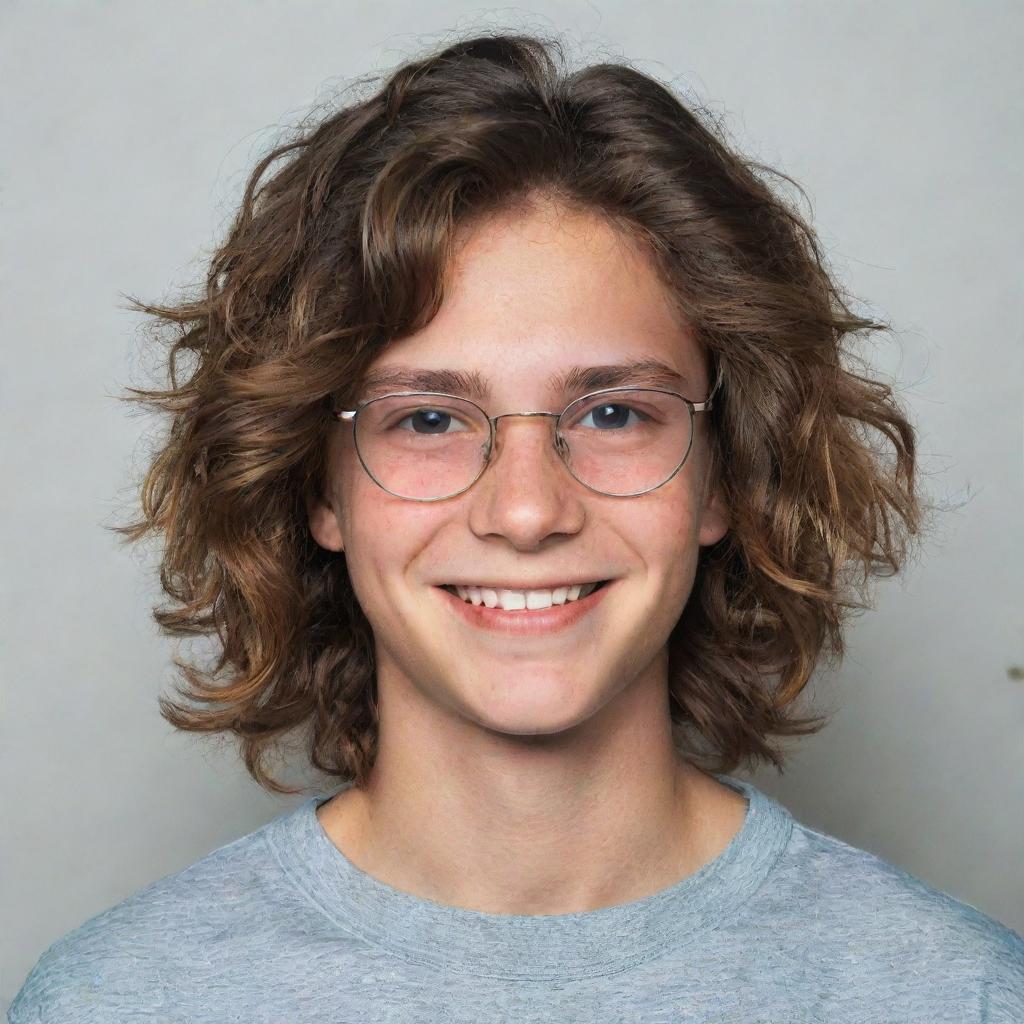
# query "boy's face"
(530, 296)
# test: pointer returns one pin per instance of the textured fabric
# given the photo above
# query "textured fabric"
(786, 925)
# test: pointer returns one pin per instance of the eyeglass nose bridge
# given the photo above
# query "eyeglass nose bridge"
(560, 446)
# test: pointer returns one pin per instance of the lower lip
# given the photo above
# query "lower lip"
(528, 622)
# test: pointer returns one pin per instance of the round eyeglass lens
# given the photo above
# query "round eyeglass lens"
(623, 443)
(422, 446)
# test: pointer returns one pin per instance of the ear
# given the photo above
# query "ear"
(323, 523)
(714, 517)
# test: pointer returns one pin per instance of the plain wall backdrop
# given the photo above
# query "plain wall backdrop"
(127, 133)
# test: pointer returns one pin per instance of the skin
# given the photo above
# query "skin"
(530, 775)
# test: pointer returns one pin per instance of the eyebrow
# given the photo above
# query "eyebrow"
(577, 380)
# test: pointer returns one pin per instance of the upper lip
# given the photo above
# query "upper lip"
(553, 585)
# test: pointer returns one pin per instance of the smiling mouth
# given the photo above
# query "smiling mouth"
(501, 599)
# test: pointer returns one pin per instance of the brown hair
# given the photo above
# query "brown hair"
(345, 246)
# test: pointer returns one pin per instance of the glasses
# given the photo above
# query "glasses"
(428, 446)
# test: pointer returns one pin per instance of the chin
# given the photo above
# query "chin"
(526, 701)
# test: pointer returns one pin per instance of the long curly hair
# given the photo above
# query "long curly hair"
(344, 247)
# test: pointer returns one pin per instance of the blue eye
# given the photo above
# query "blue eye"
(434, 421)
(612, 415)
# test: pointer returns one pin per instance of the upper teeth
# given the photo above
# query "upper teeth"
(516, 600)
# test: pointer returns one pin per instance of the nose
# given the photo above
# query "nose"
(526, 493)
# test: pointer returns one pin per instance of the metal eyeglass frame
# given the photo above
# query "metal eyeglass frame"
(560, 446)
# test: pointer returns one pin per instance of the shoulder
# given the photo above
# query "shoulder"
(898, 935)
(129, 959)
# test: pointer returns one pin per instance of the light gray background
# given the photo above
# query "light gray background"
(127, 131)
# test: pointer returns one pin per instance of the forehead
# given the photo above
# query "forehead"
(553, 300)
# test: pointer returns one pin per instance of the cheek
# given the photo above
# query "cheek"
(671, 523)
(665, 534)
(383, 535)
(366, 512)
(362, 517)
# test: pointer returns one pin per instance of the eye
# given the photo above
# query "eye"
(433, 421)
(610, 415)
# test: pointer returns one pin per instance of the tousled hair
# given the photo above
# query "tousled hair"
(344, 247)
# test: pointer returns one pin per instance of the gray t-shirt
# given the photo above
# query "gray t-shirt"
(787, 925)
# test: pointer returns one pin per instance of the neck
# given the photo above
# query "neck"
(533, 825)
